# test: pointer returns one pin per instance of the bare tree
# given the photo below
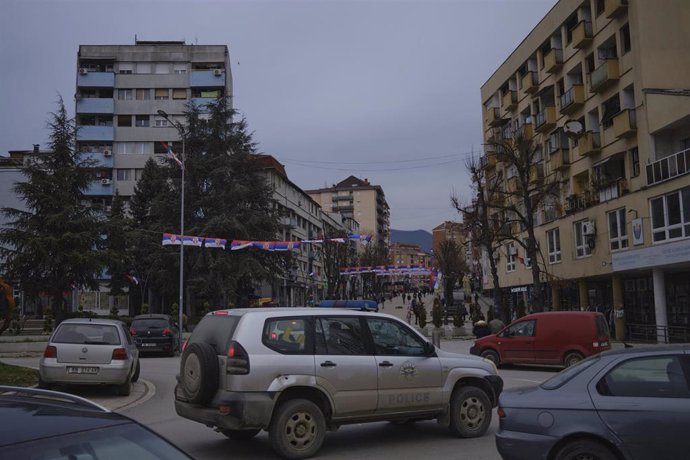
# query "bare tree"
(334, 256)
(450, 261)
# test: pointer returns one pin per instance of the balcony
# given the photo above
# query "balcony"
(624, 123)
(512, 184)
(545, 120)
(98, 159)
(582, 34)
(288, 222)
(613, 8)
(488, 161)
(672, 166)
(95, 133)
(589, 144)
(604, 75)
(530, 82)
(95, 105)
(96, 80)
(536, 174)
(509, 101)
(99, 187)
(493, 117)
(553, 60)
(207, 78)
(525, 132)
(573, 99)
(560, 159)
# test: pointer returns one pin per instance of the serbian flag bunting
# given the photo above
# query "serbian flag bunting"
(171, 239)
(170, 154)
(215, 243)
(236, 245)
(286, 245)
(192, 241)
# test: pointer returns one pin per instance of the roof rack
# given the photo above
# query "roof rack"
(48, 394)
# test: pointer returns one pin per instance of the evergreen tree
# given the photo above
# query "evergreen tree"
(53, 246)
(116, 245)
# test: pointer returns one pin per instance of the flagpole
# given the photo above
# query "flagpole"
(180, 309)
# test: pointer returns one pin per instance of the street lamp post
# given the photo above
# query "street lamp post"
(180, 325)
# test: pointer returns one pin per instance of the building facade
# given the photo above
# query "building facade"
(408, 254)
(119, 92)
(359, 200)
(617, 238)
(454, 231)
(301, 219)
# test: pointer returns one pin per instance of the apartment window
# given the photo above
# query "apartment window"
(131, 148)
(512, 257)
(634, 162)
(553, 242)
(162, 93)
(160, 122)
(138, 173)
(124, 120)
(179, 68)
(125, 67)
(124, 94)
(625, 38)
(124, 174)
(527, 262)
(162, 68)
(618, 236)
(610, 108)
(143, 94)
(671, 215)
(600, 6)
(143, 67)
(142, 121)
(582, 249)
(179, 93)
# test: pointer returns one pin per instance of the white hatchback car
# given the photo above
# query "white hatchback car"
(90, 352)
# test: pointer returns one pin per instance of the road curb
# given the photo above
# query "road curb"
(149, 392)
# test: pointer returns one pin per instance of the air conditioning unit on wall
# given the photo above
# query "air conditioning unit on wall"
(588, 228)
(217, 72)
(107, 152)
(105, 181)
(83, 71)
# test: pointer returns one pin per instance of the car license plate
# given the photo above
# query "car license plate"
(82, 370)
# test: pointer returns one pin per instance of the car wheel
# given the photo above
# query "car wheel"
(584, 449)
(572, 358)
(125, 389)
(297, 429)
(137, 371)
(491, 355)
(240, 435)
(199, 373)
(470, 412)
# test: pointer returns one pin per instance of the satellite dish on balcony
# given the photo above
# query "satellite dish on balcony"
(573, 129)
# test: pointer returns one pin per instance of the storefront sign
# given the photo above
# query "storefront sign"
(637, 231)
(653, 256)
(519, 289)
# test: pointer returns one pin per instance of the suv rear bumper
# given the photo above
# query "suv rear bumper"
(234, 411)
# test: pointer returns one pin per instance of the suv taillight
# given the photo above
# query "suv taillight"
(51, 352)
(119, 354)
(238, 359)
(184, 346)
(132, 331)
(167, 331)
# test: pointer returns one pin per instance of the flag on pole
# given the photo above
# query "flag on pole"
(170, 154)
(521, 260)
(133, 279)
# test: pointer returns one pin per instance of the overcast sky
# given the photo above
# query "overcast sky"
(384, 90)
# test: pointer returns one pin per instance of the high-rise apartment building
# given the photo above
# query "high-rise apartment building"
(121, 88)
(617, 238)
(360, 200)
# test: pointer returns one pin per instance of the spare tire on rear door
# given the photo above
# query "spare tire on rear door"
(199, 372)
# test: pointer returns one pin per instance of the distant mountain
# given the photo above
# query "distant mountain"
(420, 237)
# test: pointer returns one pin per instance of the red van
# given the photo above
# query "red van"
(558, 337)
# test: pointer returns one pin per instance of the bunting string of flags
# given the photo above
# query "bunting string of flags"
(387, 270)
(172, 239)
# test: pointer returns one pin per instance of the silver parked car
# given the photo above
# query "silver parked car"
(298, 372)
(628, 404)
(90, 352)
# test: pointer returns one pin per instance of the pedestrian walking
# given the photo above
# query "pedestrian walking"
(409, 315)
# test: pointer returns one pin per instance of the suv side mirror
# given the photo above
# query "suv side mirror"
(429, 349)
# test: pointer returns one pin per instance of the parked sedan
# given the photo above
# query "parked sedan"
(155, 333)
(40, 424)
(90, 352)
(628, 404)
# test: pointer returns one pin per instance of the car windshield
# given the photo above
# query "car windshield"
(568, 374)
(111, 443)
(94, 334)
(149, 324)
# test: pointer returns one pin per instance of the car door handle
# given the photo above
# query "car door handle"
(385, 364)
(328, 364)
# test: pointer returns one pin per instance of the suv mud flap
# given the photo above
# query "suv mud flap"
(496, 384)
